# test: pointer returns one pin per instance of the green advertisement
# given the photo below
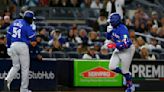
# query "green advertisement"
(95, 73)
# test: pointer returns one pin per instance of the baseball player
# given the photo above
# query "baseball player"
(124, 49)
(19, 35)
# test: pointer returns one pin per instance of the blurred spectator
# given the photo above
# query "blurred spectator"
(149, 25)
(39, 39)
(146, 55)
(137, 25)
(82, 48)
(53, 3)
(161, 35)
(128, 23)
(83, 36)
(91, 54)
(86, 4)
(3, 48)
(64, 3)
(143, 14)
(102, 21)
(132, 35)
(155, 19)
(96, 4)
(56, 35)
(97, 46)
(143, 28)
(1, 21)
(35, 51)
(73, 36)
(137, 50)
(115, 6)
(6, 23)
(105, 2)
(32, 3)
(141, 43)
(154, 44)
(44, 34)
(7, 13)
(104, 50)
(162, 21)
(104, 53)
(56, 46)
(43, 2)
(13, 9)
(74, 3)
(92, 37)
(154, 30)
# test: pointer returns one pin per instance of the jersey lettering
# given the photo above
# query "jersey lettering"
(16, 32)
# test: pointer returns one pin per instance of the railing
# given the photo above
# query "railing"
(67, 13)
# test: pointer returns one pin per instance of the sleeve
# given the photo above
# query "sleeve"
(31, 34)
(108, 35)
(8, 36)
(125, 40)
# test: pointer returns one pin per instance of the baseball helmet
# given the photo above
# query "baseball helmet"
(114, 19)
(29, 14)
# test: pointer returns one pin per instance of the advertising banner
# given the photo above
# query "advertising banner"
(42, 75)
(148, 75)
(95, 73)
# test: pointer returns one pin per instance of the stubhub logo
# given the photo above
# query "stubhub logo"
(99, 72)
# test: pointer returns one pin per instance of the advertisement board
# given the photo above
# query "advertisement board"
(42, 75)
(95, 73)
(148, 75)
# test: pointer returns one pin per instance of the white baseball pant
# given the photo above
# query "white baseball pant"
(20, 59)
(124, 57)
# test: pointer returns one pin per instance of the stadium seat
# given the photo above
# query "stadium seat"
(161, 56)
(105, 56)
(73, 54)
(58, 54)
(45, 54)
(157, 50)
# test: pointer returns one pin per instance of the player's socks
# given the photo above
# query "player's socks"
(129, 84)
(117, 70)
(128, 78)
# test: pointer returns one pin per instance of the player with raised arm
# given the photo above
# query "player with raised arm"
(19, 35)
(117, 32)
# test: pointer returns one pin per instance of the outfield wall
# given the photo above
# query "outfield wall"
(46, 75)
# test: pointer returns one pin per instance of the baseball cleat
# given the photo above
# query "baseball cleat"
(130, 89)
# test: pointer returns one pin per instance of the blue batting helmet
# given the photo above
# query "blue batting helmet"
(29, 14)
(114, 19)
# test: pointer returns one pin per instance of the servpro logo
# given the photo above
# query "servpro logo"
(98, 72)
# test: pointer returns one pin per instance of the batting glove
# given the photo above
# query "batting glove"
(111, 45)
(109, 28)
(9, 52)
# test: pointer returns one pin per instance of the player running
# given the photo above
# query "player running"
(19, 35)
(124, 49)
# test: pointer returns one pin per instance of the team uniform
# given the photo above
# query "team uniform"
(19, 36)
(124, 49)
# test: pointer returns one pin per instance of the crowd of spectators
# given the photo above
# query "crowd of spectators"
(79, 41)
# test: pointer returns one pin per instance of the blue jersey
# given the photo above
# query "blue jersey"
(120, 36)
(20, 31)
